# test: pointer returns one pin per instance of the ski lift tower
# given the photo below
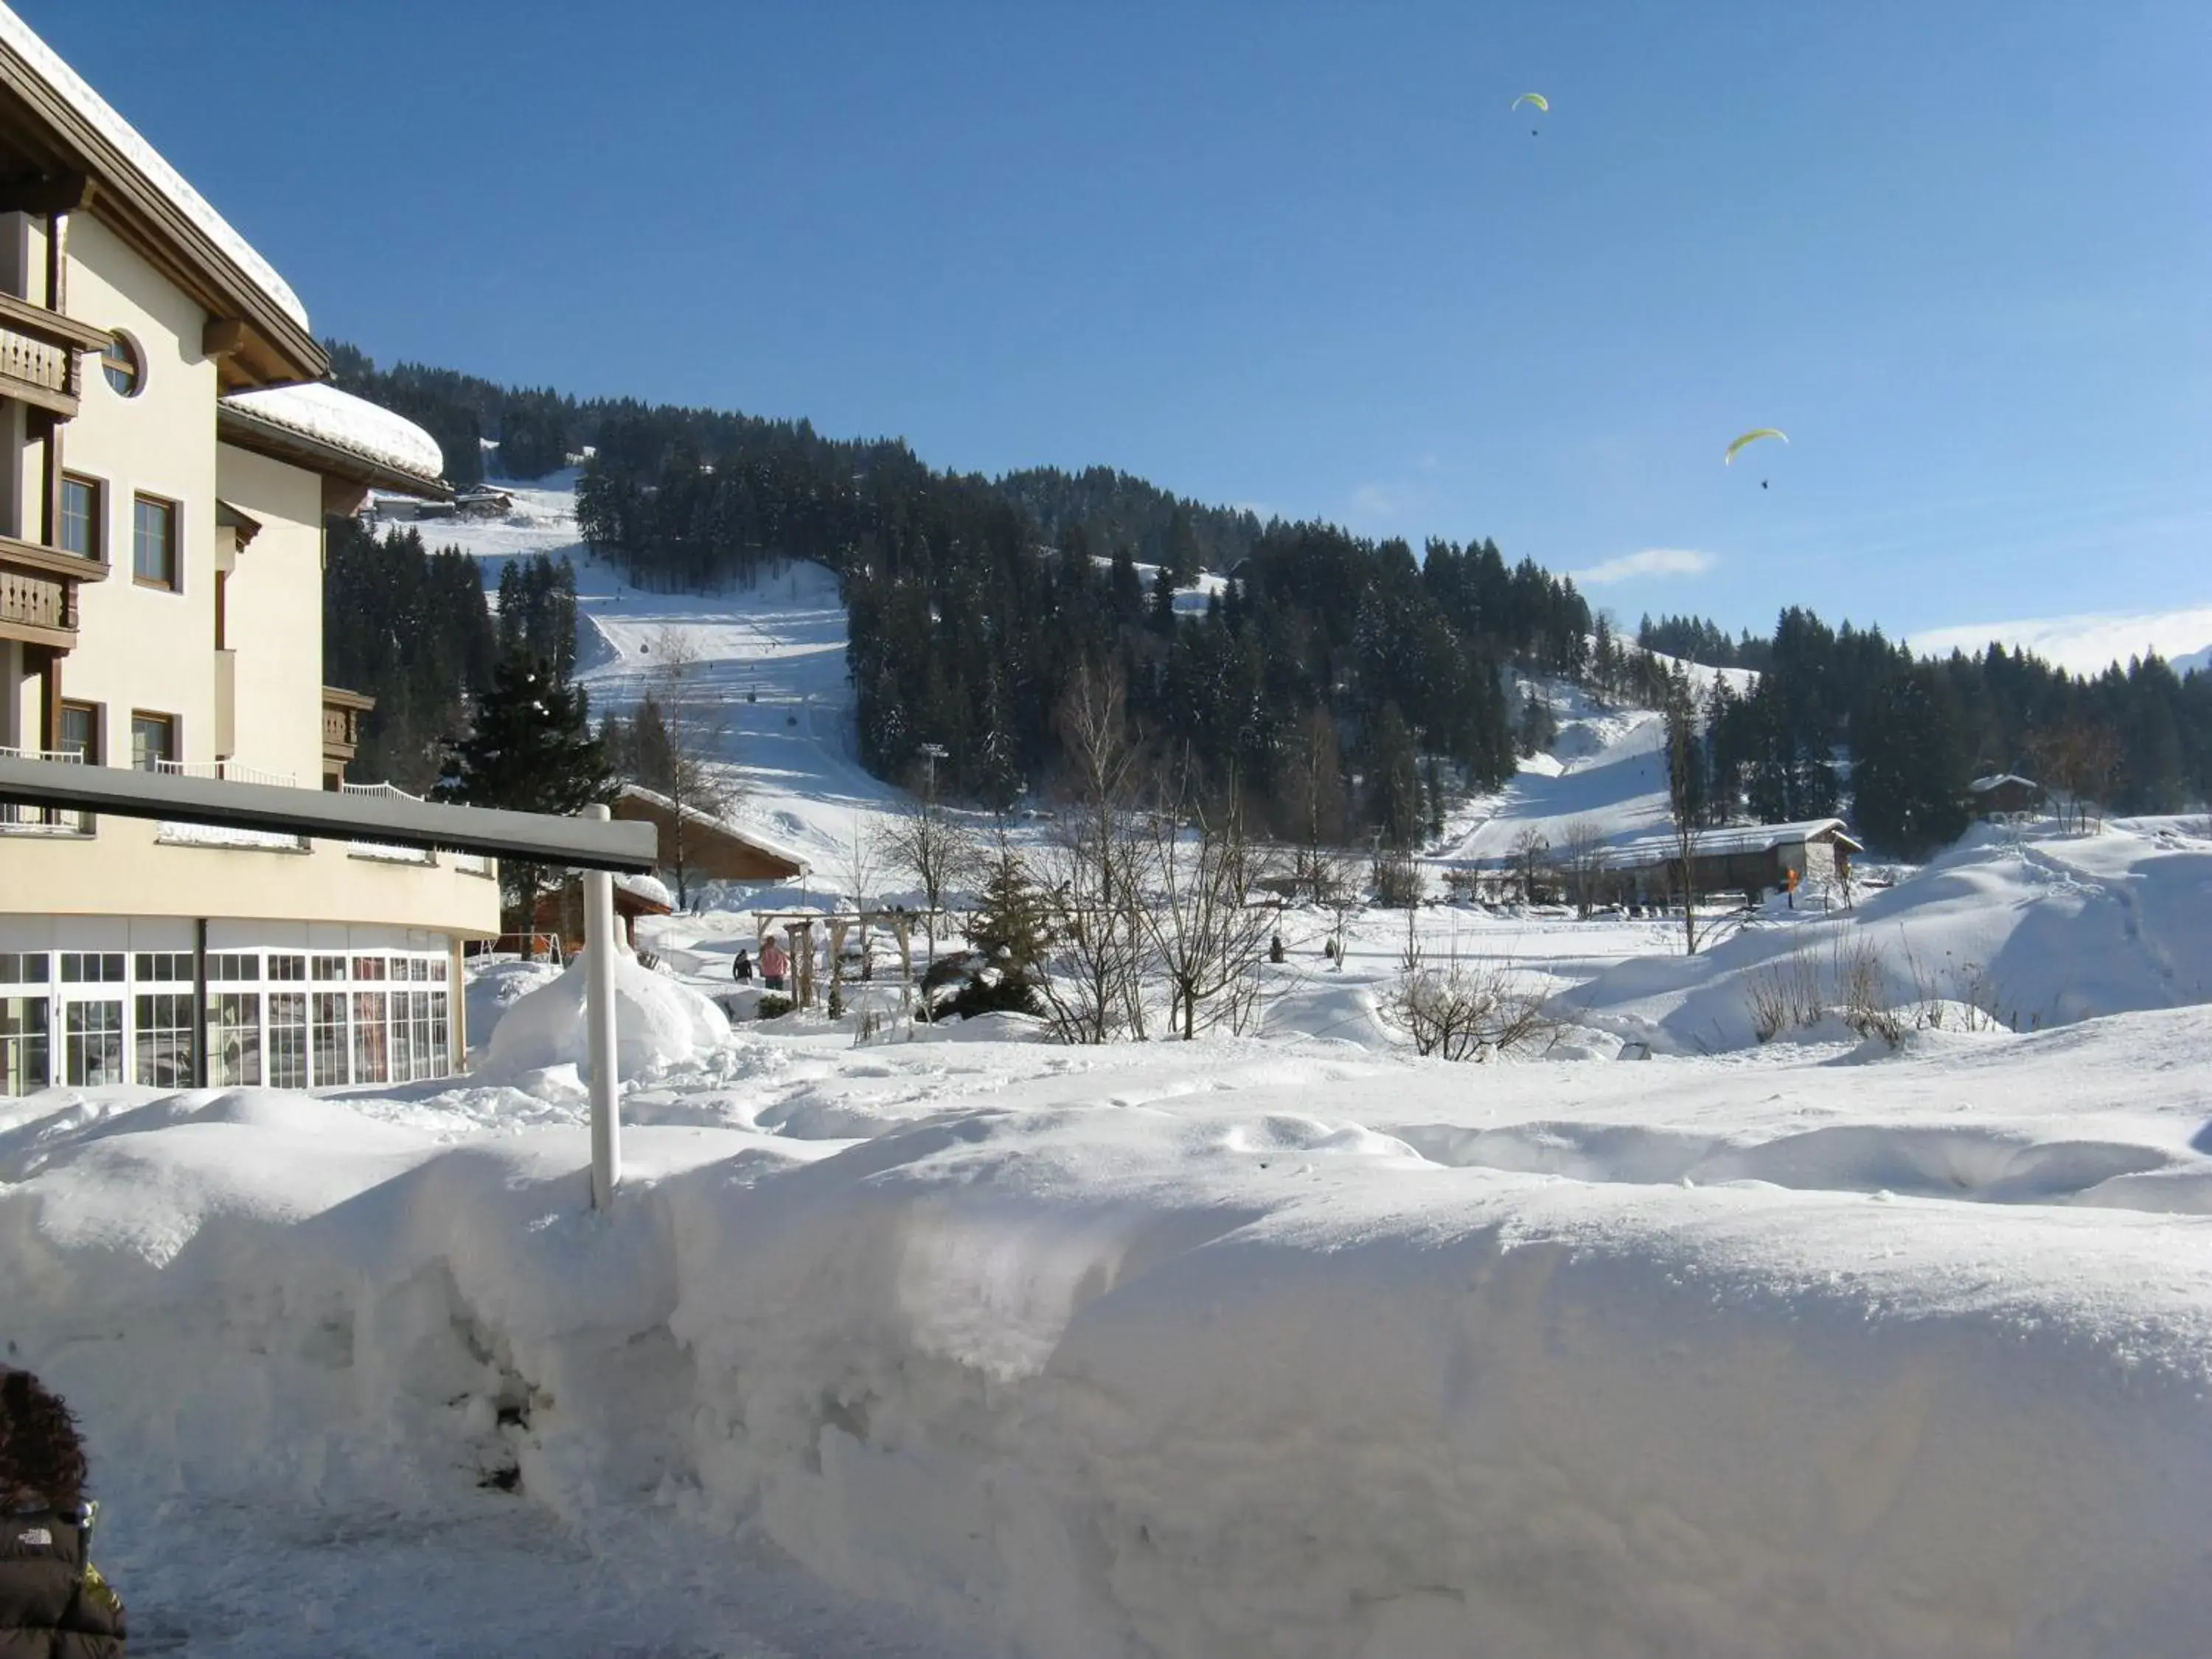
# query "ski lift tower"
(934, 753)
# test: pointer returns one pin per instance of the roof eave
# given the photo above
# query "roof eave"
(278, 346)
(249, 431)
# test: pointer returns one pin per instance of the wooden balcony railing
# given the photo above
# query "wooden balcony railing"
(39, 351)
(38, 592)
(29, 599)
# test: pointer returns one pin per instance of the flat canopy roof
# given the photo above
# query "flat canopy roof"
(623, 846)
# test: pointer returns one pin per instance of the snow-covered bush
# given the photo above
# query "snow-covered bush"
(1459, 1013)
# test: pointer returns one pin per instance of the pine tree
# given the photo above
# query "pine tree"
(529, 749)
(1011, 929)
(1908, 773)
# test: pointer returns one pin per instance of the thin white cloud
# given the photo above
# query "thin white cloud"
(1378, 500)
(1650, 561)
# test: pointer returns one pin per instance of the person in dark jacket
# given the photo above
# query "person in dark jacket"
(53, 1602)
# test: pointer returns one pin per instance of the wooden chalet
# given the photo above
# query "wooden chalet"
(1754, 859)
(714, 848)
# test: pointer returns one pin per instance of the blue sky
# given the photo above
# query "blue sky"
(1304, 259)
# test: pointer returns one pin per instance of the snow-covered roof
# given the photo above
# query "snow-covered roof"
(72, 89)
(742, 832)
(1983, 786)
(1728, 841)
(651, 888)
(341, 421)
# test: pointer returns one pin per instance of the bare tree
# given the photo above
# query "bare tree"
(1208, 938)
(1313, 791)
(1530, 848)
(1092, 876)
(1095, 886)
(859, 865)
(1684, 799)
(2079, 760)
(1459, 1013)
(925, 840)
(675, 747)
(1337, 885)
(1581, 858)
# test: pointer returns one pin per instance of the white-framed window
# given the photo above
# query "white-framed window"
(329, 1040)
(92, 1043)
(372, 1051)
(287, 1037)
(234, 1038)
(162, 1035)
(24, 1044)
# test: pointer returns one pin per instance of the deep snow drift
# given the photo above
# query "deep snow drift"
(658, 1024)
(2031, 927)
(1228, 1348)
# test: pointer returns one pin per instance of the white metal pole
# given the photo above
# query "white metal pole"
(600, 948)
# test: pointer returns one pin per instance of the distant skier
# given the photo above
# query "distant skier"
(774, 964)
(52, 1600)
(742, 970)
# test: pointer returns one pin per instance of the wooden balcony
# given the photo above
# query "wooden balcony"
(37, 592)
(342, 714)
(38, 350)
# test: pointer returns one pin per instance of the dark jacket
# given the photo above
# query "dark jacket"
(53, 1604)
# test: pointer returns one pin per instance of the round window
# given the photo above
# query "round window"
(121, 363)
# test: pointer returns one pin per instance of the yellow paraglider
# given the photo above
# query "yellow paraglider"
(1752, 437)
(1535, 98)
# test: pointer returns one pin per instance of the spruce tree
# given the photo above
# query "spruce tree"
(529, 749)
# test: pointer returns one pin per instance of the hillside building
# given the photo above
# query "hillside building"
(2005, 795)
(714, 849)
(1751, 859)
(167, 458)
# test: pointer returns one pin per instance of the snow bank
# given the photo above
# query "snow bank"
(660, 1024)
(1217, 1348)
(494, 984)
(2038, 930)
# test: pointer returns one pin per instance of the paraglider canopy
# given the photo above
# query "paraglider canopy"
(1535, 98)
(1752, 437)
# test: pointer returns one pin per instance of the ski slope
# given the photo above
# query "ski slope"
(772, 656)
(1607, 768)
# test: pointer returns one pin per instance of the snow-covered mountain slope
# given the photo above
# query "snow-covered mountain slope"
(2090, 643)
(1608, 766)
(771, 655)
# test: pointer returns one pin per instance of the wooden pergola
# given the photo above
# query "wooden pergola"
(799, 926)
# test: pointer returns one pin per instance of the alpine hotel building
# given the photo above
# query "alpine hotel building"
(166, 456)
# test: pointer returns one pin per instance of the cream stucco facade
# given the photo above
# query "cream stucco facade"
(160, 603)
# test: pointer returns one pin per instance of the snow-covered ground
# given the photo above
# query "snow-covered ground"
(1292, 1345)
(1885, 1337)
